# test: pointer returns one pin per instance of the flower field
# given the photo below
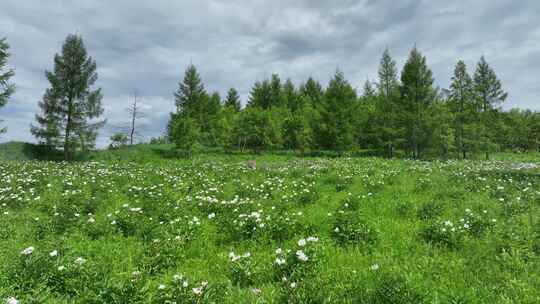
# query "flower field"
(314, 230)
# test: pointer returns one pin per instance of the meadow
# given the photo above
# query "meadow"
(217, 229)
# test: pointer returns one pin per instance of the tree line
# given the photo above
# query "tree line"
(401, 113)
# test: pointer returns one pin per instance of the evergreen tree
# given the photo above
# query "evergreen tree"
(417, 95)
(488, 95)
(368, 91)
(260, 95)
(312, 90)
(191, 97)
(337, 116)
(276, 92)
(233, 100)
(210, 127)
(386, 108)
(69, 107)
(6, 88)
(290, 96)
(461, 105)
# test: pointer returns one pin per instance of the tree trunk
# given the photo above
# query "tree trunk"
(68, 131)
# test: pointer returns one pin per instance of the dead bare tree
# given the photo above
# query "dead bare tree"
(135, 113)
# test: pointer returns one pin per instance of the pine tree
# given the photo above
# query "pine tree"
(233, 100)
(69, 107)
(386, 110)
(488, 95)
(461, 105)
(417, 95)
(6, 88)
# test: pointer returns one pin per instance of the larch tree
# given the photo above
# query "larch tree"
(336, 114)
(260, 95)
(461, 105)
(232, 100)
(489, 96)
(386, 106)
(6, 88)
(417, 95)
(191, 100)
(70, 108)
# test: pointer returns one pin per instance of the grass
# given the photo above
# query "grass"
(138, 225)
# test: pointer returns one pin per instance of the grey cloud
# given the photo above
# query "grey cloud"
(145, 46)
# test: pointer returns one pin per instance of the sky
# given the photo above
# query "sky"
(144, 47)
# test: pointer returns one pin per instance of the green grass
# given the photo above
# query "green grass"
(141, 218)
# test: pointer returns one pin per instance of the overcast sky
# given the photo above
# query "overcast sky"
(145, 46)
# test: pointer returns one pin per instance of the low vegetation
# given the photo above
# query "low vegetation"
(132, 226)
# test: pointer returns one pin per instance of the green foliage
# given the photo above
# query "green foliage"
(185, 133)
(118, 140)
(350, 229)
(69, 108)
(258, 130)
(6, 88)
(417, 97)
(134, 226)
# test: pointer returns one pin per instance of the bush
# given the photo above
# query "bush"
(350, 229)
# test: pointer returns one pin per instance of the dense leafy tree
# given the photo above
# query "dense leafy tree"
(417, 96)
(233, 100)
(118, 140)
(298, 134)
(6, 88)
(185, 133)
(258, 129)
(70, 107)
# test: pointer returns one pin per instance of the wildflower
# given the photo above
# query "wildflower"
(197, 290)
(256, 291)
(211, 215)
(161, 287)
(293, 285)
(177, 277)
(374, 267)
(28, 251)
(185, 284)
(61, 268)
(12, 300)
(279, 251)
(312, 239)
(302, 242)
(301, 256)
(80, 260)
(53, 253)
(280, 261)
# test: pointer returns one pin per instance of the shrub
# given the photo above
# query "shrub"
(350, 229)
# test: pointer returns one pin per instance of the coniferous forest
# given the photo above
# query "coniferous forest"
(401, 113)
